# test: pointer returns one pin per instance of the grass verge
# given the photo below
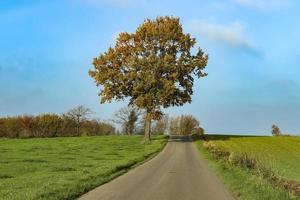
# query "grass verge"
(65, 168)
(244, 183)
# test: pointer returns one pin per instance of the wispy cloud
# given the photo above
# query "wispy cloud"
(120, 3)
(263, 4)
(232, 34)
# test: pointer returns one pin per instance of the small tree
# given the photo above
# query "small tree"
(79, 114)
(128, 117)
(153, 67)
(275, 130)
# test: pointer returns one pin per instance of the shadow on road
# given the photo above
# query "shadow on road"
(225, 137)
(180, 138)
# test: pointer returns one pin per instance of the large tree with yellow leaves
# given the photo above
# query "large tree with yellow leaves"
(153, 67)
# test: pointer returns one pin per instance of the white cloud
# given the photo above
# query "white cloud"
(263, 4)
(111, 2)
(232, 35)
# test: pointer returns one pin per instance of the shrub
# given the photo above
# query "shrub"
(50, 125)
(243, 160)
(96, 127)
(2, 132)
(28, 126)
(69, 127)
(11, 127)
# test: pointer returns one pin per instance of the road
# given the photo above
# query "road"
(177, 173)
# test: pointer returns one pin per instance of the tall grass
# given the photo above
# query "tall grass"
(241, 181)
(255, 162)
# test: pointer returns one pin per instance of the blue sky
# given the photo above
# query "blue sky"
(46, 50)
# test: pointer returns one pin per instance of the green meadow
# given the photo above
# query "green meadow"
(66, 167)
(281, 155)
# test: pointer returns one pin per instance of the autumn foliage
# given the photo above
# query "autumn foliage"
(185, 125)
(154, 67)
(50, 125)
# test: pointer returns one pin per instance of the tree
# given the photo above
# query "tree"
(174, 128)
(153, 67)
(188, 124)
(161, 125)
(79, 114)
(48, 125)
(128, 117)
(184, 125)
(275, 130)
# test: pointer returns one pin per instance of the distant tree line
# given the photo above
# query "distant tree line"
(132, 121)
(77, 122)
(73, 123)
(185, 125)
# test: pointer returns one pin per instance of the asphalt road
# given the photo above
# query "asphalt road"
(177, 173)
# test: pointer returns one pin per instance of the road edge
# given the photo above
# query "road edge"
(124, 170)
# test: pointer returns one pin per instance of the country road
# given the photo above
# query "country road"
(177, 173)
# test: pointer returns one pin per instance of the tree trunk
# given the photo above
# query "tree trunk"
(77, 129)
(147, 136)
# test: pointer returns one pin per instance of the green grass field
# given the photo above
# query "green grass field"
(63, 168)
(281, 154)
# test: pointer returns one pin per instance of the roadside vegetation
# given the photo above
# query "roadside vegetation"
(65, 168)
(185, 125)
(75, 122)
(256, 167)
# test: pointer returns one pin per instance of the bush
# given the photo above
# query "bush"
(243, 160)
(95, 127)
(50, 125)
(11, 127)
(2, 132)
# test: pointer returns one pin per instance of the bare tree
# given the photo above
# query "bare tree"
(183, 125)
(188, 124)
(128, 118)
(79, 114)
(161, 125)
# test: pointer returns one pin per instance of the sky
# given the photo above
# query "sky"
(47, 48)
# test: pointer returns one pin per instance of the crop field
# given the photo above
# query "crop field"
(280, 155)
(64, 168)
